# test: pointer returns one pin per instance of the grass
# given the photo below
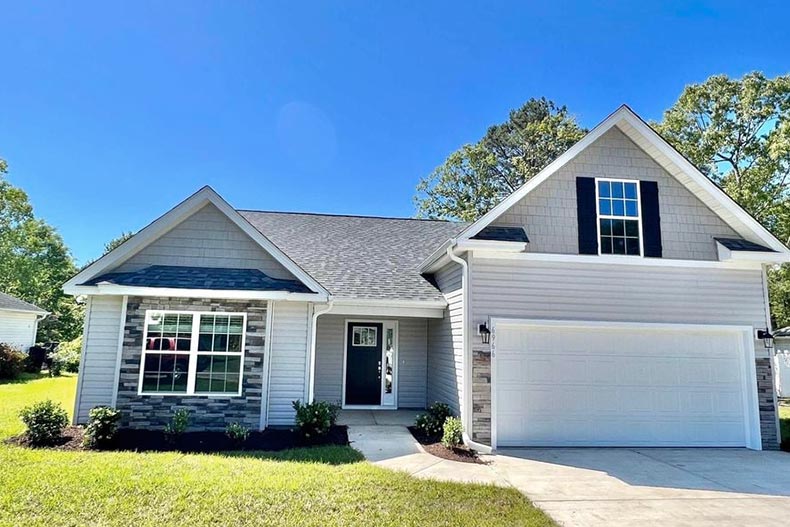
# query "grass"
(784, 421)
(325, 486)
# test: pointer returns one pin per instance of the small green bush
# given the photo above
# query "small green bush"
(453, 432)
(178, 424)
(314, 420)
(431, 423)
(102, 427)
(12, 361)
(45, 421)
(66, 357)
(237, 432)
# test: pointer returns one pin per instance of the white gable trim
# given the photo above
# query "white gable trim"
(171, 219)
(664, 154)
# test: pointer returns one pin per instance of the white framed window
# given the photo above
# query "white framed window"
(619, 216)
(192, 353)
(364, 336)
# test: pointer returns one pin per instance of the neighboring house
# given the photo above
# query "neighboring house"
(621, 289)
(19, 321)
(782, 361)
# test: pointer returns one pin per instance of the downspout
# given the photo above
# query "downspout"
(466, 402)
(313, 331)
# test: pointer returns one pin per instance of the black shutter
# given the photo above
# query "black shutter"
(586, 215)
(651, 218)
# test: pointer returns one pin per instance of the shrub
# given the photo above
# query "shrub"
(314, 420)
(431, 423)
(45, 421)
(178, 424)
(102, 427)
(67, 357)
(237, 432)
(453, 432)
(35, 359)
(12, 361)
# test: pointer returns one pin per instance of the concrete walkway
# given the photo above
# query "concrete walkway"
(610, 486)
(384, 440)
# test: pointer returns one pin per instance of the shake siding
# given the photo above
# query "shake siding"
(565, 291)
(412, 359)
(445, 342)
(288, 364)
(97, 371)
(18, 329)
(206, 239)
(548, 213)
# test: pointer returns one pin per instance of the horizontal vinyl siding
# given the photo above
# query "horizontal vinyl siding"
(288, 366)
(330, 339)
(445, 342)
(412, 359)
(206, 239)
(564, 291)
(17, 329)
(103, 325)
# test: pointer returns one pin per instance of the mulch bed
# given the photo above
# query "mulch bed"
(71, 440)
(435, 447)
(198, 442)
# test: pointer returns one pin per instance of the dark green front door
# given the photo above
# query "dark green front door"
(363, 363)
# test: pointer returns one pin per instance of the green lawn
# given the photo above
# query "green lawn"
(784, 421)
(323, 486)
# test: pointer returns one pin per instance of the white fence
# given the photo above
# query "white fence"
(782, 367)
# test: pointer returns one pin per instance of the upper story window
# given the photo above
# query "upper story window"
(619, 220)
(192, 353)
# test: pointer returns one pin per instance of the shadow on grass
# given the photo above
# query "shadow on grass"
(25, 378)
(328, 455)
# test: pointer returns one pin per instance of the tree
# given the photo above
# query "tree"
(737, 131)
(34, 263)
(115, 242)
(474, 178)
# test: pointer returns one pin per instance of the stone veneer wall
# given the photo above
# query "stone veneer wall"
(206, 413)
(481, 398)
(481, 393)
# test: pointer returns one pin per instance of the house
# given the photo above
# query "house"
(19, 321)
(612, 300)
(782, 362)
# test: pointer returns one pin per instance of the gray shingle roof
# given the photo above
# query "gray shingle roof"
(359, 256)
(738, 244)
(200, 278)
(13, 303)
(502, 234)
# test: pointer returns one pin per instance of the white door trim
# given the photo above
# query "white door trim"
(385, 324)
(748, 366)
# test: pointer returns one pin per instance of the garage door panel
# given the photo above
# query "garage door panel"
(618, 387)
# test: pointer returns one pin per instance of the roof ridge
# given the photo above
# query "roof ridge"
(394, 218)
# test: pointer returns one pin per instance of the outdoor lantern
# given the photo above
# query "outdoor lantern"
(768, 339)
(484, 332)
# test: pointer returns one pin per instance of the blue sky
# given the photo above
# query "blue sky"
(112, 112)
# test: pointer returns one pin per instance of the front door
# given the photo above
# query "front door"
(363, 363)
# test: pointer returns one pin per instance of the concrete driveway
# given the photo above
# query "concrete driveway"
(666, 487)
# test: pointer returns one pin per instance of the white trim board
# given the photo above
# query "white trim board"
(748, 367)
(666, 156)
(171, 219)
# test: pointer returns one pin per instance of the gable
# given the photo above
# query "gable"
(548, 212)
(207, 238)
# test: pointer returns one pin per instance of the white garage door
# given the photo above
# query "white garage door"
(622, 385)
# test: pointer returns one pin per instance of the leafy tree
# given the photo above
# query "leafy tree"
(474, 178)
(115, 242)
(737, 131)
(34, 263)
